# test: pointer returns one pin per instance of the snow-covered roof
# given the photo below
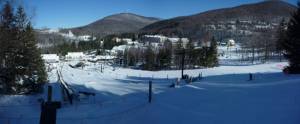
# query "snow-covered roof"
(50, 57)
(119, 48)
(105, 57)
(75, 54)
(164, 38)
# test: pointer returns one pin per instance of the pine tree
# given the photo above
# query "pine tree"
(149, 59)
(8, 44)
(19, 56)
(212, 58)
(291, 45)
(36, 68)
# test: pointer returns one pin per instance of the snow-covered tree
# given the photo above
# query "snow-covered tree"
(20, 59)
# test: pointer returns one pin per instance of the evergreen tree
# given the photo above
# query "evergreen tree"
(8, 44)
(213, 54)
(36, 68)
(291, 43)
(149, 59)
(19, 56)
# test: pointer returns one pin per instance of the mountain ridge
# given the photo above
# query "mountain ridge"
(272, 11)
(113, 24)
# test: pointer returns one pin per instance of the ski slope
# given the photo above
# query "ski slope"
(224, 95)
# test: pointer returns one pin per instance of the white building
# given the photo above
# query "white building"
(75, 56)
(123, 39)
(154, 39)
(50, 58)
(175, 41)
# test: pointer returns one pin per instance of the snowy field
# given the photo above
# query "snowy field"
(224, 96)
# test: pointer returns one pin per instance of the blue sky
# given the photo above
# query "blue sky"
(73, 13)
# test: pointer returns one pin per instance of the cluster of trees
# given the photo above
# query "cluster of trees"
(73, 46)
(169, 56)
(270, 44)
(21, 66)
(260, 48)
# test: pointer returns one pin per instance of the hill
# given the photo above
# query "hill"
(114, 24)
(242, 19)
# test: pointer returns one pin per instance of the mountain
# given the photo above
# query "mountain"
(118, 23)
(267, 13)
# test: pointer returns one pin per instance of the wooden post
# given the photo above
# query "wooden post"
(201, 75)
(150, 92)
(48, 113)
(49, 98)
(101, 68)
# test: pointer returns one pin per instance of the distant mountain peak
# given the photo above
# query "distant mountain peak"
(114, 24)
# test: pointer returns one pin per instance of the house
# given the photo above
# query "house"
(122, 40)
(50, 58)
(230, 42)
(75, 56)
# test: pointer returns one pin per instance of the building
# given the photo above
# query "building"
(122, 40)
(75, 56)
(230, 42)
(160, 39)
(50, 58)
(175, 41)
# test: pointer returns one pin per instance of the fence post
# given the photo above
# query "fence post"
(49, 98)
(200, 76)
(250, 76)
(101, 68)
(150, 92)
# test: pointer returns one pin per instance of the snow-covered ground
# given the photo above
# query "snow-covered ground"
(224, 95)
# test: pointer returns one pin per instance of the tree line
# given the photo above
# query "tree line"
(170, 56)
(73, 46)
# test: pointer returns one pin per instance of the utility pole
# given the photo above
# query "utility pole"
(182, 62)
